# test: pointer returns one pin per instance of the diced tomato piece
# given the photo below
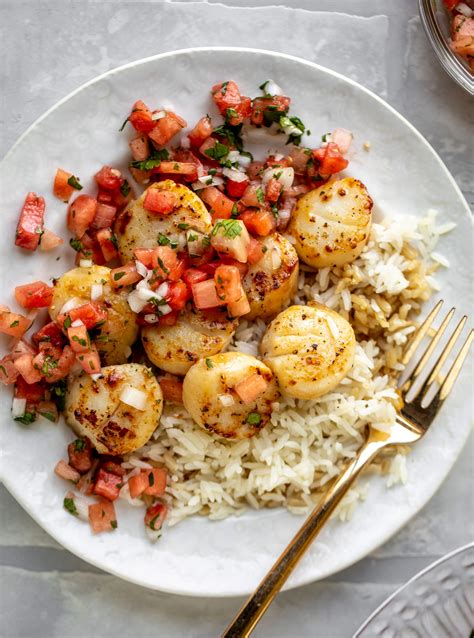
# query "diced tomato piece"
(255, 170)
(140, 176)
(8, 372)
(13, 324)
(34, 295)
(30, 224)
(275, 104)
(79, 338)
(124, 276)
(156, 481)
(61, 188)
(241, 267)
(107, 242)
(227, 282)
(81, 214)
(221, 205)
(160, 201)
(201, 131)
(102, 516)
(259, 222)
(53, 363)
(178, 295)
(48, 410)
(172, 389)
(201, 260)
(107, 485)
(50, 334)
(177, 168)
(193, 276)
(164, 261)
(253, 196)
(155, 516)
(330, 159)
(250, 388)
(145, 256)
(90, 361)
(91, 314)
(166, 128)
(299, 158)
(137, 484)
(22, 347)
(32, 392)
(463, 46)
(236, 189)
(104, 197)
(240, 307)
(112, 464)
(80, 455)
(108, 178)
(237, 114)
(140, 148)
(90, 250)
(205, 294)
(177, 271)
(65, 363)
(450, 4)
(104, 216)
(171, 319)
(273, 190)
(66, 472)
(226, 96)
(49, 240)
(256, 251)
(209, 143)
(141, 117)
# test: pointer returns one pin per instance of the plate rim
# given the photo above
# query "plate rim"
(417, 576)
(462, 200)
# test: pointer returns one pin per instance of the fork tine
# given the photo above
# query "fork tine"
(421, 332)
(455, 369)
(441, 360)
(428, 352)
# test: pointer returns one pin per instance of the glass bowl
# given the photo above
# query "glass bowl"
(436, 22)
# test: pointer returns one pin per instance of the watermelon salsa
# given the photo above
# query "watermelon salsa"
(248, 199)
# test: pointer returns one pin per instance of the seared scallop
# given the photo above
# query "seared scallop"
(196, 335)
(271, 282)
(114, 338)
(310, 350)
(331, 224)
(101, 408)
(230, 394)
(138, 228)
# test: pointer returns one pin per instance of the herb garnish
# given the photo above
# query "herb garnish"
(125, 188)
(153, 161)
(253, 418)
(231, 228)
(26, 418)
(75, 244)
(209, 364)
(79, 445)
(260, 195)
(74, 182)
(70, 506)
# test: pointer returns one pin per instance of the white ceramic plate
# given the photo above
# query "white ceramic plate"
(403, 174)
(438, 601)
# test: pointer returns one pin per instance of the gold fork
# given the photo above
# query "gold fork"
(412, 422)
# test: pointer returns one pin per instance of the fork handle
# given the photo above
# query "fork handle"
(251, 612)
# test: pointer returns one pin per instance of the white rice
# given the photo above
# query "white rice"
(290, 461)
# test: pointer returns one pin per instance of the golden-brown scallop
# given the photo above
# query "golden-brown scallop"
(331, 224)
(94, 408)
(196, 335)
(271, 283)
(310, 349)
(120, 330)
(137, 228)
(210, 397)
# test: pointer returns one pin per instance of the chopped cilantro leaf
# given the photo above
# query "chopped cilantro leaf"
(119, 275)
(113, 524)
(70, 506)
(153, 161)
(260, 194)
(324, 138)
(14, 324)
(162, 266)
(125, 188)
(253, 418)
(209, 364)
(151, 479)
(234, 212)
(183, 226)
(231, 228)
(79, 445)
(217, 152)
(26, 418)
(74, 182)
(67, 322)
(75, 244)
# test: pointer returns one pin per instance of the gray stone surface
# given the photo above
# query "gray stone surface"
(48, 49)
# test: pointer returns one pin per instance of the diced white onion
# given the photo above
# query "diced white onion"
(18, 407)
(96, 376)
(32, 314)
(233, 156)
(81, 504)
(278, 157)
(116, 172)
(200, 170)
(244, 161)
(135, 302)
(146, 293)
(165, 309)
(167, 106)
(141, 269)
(276, 258)
(97, 290)
(70, 305)
(234, 175)
(288, 127)
(464, 9)
(185, 143)
(133, 397)
(207, 180)
(158, 115)
(85, 263)
(77, 323)
(284, 175)
(272, 88)
(151, 318)
(162, 289)
(226, 399)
